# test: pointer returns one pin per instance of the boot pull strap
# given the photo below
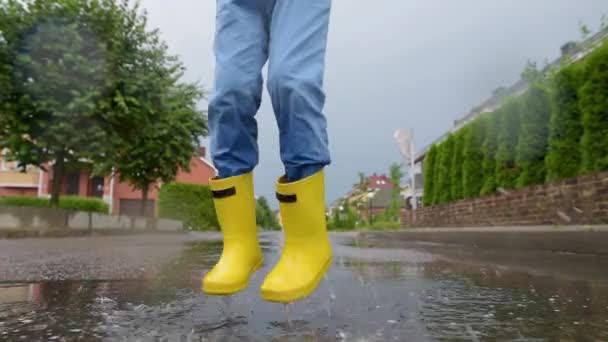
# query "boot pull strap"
(287, 198)
(217, 194)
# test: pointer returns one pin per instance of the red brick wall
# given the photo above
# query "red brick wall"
(581, 200)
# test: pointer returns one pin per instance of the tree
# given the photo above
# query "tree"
(265, 217)
(71, 80)
(163, 146)
(594, 104)
(490, 122)
(394, 207)
(429, 176)
(456, 181)
(443, 190)
(509, 123)
(566, 129)
(473, 159)
(533, 139)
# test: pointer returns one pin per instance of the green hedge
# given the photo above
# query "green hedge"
(429, 176)
(190, 203)
(65, 202)
(558, 128)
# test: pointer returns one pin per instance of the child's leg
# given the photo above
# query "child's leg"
(298, 37)
(241, 51)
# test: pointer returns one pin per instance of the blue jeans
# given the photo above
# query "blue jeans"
(292, 36)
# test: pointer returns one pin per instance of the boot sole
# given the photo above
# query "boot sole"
(230, 290)
(287, 297)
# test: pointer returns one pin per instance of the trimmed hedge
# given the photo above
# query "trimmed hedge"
(190, 203)
(443, 193)
(566, 127)
(533, 140)
(65, 202)
(557, 129)
(429, 176)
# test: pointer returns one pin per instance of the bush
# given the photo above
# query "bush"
(456, 181)
(534, 136)
(490, 124)
(190, 203)
(594, 106)
(473, 159)
(565, 129)
(443, 192)
(385, 225)
(65, 202)
(429, 176)
(509, 124)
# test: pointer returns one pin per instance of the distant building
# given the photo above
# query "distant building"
(121, 197)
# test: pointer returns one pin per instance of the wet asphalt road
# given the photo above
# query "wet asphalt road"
(147, 288)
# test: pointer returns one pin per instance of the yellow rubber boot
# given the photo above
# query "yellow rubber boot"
(307, 252)
(235, 207)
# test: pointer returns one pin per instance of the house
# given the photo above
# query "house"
(121, 197)
(373, 201)
(13, 182)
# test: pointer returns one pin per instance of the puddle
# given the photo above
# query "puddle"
(369, 295)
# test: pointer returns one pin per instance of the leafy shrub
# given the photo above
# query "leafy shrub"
(473, 159)
(533, 141)
(566, 129)
(66, 202)
(490, 122)
(190, 203)
(429, 176)
(594, 106)
(509, 124)
(443, 192)
(456, 166)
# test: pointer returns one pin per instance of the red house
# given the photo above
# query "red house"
(121, 197)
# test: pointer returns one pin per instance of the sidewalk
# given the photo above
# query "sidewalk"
(566, 239)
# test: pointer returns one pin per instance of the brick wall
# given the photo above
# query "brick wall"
(581, 200)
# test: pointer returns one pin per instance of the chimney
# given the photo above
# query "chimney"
(202, 151)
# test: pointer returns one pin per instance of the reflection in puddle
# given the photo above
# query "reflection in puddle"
(370, 294)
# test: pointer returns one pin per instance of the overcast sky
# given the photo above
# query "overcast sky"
(417, 64)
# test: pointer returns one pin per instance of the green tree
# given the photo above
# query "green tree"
(533, 140)
(594, 104)
(429, 176)
(443, 191)
(473, 159)
(456, 179)
(509, 123)
(163, 146)
(71, 79)
(394, 207)
(566, 129)
(265, 217)
(490, 144)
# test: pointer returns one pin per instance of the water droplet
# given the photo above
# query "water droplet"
(390, 321)
(556, 310)
(552, 299)
(75, 330)
(576, 323)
